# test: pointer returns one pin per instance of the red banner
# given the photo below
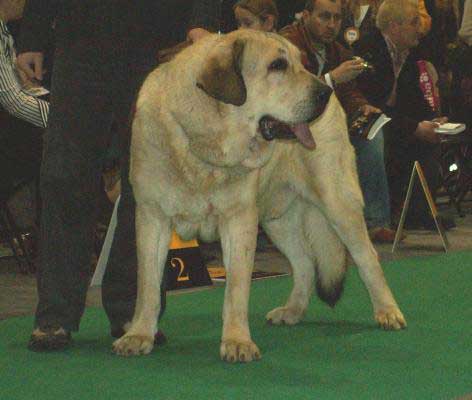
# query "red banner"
(427, 86)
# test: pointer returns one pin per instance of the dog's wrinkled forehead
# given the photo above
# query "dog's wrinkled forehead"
(245, 58)
(260, 53)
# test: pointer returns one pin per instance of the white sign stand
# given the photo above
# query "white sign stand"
(105, 253)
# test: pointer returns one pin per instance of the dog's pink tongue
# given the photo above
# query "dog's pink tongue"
(303, 133)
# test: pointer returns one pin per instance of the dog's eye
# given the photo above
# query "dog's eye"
(280, 64)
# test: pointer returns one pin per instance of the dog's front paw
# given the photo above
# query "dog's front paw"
(390, 318)
(284, 315)
(234, 351)
(133, 345)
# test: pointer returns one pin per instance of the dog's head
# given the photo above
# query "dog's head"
(262, 74)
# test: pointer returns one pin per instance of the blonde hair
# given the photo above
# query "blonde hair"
(393, 11)
(260, 8)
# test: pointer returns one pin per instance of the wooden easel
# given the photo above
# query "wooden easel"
(418, 171)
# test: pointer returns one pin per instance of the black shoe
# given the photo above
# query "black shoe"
(159, 337)
(54, 338)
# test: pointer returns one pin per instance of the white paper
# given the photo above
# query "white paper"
(381, 121)
(36, 91)
(450, 128)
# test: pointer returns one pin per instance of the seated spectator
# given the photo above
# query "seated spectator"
(256, 14)
(465, 31)
(433, 44)
(15, 94)
(459, 60)
(359, 20)
(286, 13)
(315, 35)
(425, 19)
(394, 86)
(23, 113)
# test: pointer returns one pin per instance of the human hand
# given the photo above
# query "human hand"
(25, 81)
(440, 120)
(367, 109)
(425, 131)
(196, 34)
(348, 70)
(31, 63)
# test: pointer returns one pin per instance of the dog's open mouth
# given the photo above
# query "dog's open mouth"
(272, 128)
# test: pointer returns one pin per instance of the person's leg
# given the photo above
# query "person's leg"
(75, 140)
(373, 180)
(119, 287)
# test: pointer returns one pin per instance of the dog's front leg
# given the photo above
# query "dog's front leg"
(153, 235)
(352, 231)
(238, 238)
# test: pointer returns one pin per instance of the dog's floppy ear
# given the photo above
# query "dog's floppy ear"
(222, 78)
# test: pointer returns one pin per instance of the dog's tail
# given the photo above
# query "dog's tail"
(330, 257)
(330, 283)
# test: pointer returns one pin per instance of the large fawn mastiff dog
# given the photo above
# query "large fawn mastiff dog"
(200, 165)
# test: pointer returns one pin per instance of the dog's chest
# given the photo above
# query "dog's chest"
(207, 203)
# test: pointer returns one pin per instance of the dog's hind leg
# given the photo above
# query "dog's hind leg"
(307, 249)
(153, 236)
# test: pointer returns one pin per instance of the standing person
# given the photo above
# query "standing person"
(104, 49)
(315, 35)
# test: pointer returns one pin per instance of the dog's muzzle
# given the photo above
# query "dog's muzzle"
(272, 128)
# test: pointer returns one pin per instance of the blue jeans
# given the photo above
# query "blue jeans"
(373, 180)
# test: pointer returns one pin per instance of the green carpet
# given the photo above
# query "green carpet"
(332, 354)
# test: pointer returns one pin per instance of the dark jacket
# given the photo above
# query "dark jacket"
(367, 26)
(93, 26)
(348, 94)
(411, 106)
